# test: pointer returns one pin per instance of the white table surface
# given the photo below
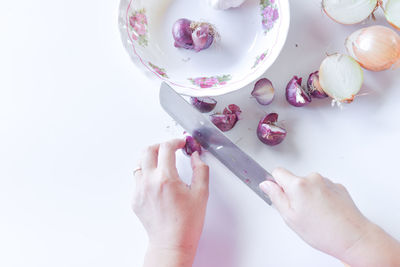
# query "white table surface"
(72, 125)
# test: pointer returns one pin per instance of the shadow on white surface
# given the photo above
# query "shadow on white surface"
(218, 245)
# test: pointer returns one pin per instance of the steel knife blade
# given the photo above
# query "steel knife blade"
(212, 139)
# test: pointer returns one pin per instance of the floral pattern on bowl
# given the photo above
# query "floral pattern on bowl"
(158, 70)
(269, 13)
(208, 82)
(138, 26)
(259, 59)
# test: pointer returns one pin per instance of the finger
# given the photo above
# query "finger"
(166, 155)
(150, 157)
(137, 173)
(201, 174)
(277, 196)
(283, 177)
(328, 182)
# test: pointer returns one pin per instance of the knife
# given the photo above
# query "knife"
(212, 139)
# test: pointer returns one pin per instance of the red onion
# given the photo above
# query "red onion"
(193, 35)
(203, 104)
(264, 91)
(191, 146)
(227, 120)
(182, 33)
(295, 94)
(268, 132)
(313, 86)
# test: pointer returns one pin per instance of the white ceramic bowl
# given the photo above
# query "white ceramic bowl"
(251, 38)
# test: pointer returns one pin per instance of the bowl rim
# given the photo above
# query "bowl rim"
(250, 77)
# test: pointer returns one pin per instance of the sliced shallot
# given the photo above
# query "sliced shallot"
(295, 94)
(268, 132)
(264, 92)
(228, 119)
(313, 86)
(191, 146)
(203, 104)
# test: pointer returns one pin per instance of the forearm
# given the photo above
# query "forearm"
(156, 257)
(376, 248)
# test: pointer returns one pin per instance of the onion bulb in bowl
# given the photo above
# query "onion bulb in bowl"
(392, 13)
(376, 48)
(341, 77)
(349, 11)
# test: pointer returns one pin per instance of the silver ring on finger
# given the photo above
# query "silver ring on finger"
(136, 170)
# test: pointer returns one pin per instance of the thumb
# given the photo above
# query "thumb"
(200, 179)
(277, 196)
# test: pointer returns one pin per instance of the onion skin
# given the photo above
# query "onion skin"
(295, 94)
(264, 92)
(313, 86)
(203, 104)
(182, 33)
(268, 132)
(375, 48)
(191, 146)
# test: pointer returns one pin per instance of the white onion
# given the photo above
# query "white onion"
(376, 48)
(341, 77)
(392, 13)
(225, 4)
(349, 11)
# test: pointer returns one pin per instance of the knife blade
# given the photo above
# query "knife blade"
(212, 139)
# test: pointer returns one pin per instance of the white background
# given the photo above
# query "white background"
(75, 114)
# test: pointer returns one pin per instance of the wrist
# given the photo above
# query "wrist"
(169, 256)
(374, 248)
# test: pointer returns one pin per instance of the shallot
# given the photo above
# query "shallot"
(203, 36)
(349, 12)
(376, 48)
(263, 91)
(313, 86)
(392, 13)
(203, 104)
(227, 120)
(232, 108)
(191, 146)
(268, 132)
(193, 35)
(341, 77)
(295, 94)
(182, 33)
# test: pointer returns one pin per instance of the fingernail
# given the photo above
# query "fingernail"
(265, 187)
